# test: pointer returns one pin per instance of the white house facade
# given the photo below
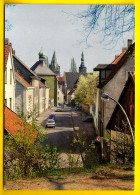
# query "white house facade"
(9, 77)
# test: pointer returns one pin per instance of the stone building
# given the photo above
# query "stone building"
(43, 71)
(24, 94)
(112, 78)
(33, 80)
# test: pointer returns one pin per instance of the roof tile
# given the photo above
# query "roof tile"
(14, 124)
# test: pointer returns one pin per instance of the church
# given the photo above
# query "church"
(49, 72)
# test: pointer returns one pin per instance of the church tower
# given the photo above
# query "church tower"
(82, 68)
(54, 65)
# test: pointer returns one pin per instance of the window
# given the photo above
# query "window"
(103, 74)
(11, 73)
(5, 76)
(11, 103)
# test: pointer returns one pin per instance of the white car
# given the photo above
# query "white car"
(50, 123)
(58, 109)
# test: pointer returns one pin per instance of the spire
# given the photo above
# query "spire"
(54, 61)
(54, 65)
(82, 60)
(82, 68)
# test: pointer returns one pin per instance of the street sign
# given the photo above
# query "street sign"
(98, 138)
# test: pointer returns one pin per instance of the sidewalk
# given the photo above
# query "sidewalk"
(77, 117)
(41, 120)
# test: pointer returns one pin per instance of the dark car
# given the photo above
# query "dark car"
(77, 108)
(52, 116)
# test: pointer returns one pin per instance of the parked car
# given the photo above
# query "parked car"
(50, 123)
(77, 108)
(58, 109)
(52, 116)
(62, 105)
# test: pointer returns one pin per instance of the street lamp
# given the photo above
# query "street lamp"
(107, 97)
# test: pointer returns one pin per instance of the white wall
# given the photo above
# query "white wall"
(10, 88)
(60, 96)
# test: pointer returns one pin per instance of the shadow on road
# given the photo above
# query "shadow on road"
(62, 139)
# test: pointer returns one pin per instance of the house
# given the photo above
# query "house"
(60, 96)
(24, 96)
(120, 133)
(14, 125)
(34, 81)
(43, 71)
(9, 76)
(127, 101)
(60, 82)
(112, 78)
(43, 97)
(70, 78)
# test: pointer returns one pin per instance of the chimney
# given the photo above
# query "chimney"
(13, 51)
(7, 41)
(129, 43)
(116, 56)
(124, 49)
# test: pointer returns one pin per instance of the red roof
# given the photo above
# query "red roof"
(22, 80)
(14, 124)
(60, 79)
(118, 58)
(119, 63)
(6, 53)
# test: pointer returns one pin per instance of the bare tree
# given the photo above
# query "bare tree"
(111, 20)
(8, 25)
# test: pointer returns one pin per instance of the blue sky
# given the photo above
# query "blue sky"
(54, 27)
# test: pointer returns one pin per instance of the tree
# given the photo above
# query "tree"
(73, 66)
(111, 20)
(86, 89)
(8, 25)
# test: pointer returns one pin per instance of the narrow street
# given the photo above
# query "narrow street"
(63, 134)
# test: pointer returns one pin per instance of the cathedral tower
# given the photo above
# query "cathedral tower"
(82, 68)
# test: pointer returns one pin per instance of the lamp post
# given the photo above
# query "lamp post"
(107, 97)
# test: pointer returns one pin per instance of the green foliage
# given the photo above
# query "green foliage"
(73, 66)
(86, 89)
(26, 157)
(121, 145)
(90, 154)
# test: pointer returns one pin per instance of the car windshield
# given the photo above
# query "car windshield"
(50, 120)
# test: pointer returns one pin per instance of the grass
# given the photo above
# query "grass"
(99, 168)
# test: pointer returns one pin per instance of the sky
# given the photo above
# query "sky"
(56, 28)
